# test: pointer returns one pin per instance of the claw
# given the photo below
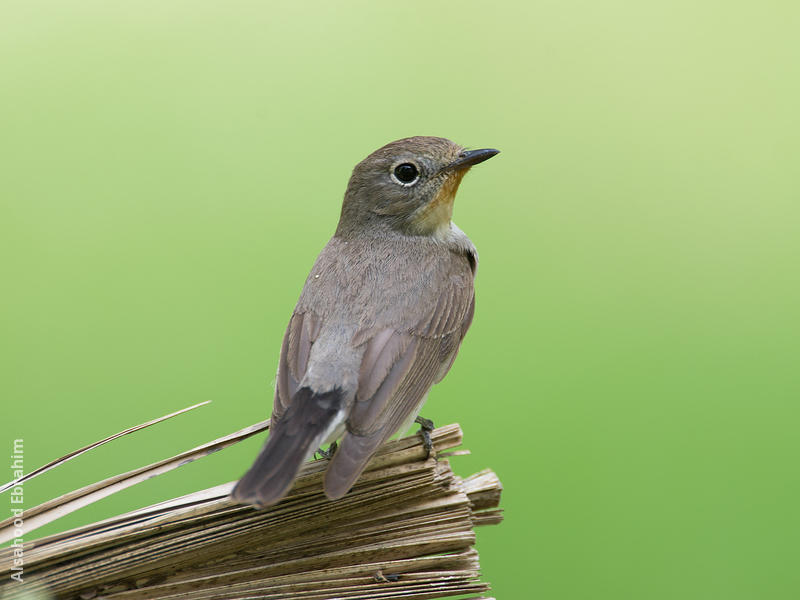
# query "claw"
(425, 428)
(328, 454)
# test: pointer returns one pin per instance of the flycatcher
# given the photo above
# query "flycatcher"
(379, 321)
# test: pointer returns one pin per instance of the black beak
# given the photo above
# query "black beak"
(470, 157)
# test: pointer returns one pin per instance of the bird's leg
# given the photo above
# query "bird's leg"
(327, 453)
(425, 428)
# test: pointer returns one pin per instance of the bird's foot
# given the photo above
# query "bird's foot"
(381, 578)
(425, 428)
(328, 454)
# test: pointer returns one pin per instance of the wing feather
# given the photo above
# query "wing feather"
(382, 353)
(384, 374)
(301, 333)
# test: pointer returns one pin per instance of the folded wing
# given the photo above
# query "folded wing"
(400, 364)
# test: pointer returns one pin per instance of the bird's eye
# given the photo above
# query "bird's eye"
(406, 173)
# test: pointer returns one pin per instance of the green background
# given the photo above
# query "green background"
(170, 170)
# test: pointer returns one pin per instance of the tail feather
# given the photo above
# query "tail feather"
(291, 441)
(350, 459)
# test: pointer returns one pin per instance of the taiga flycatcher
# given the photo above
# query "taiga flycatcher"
(379, 321)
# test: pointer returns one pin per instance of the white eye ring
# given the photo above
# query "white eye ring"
(405, 173)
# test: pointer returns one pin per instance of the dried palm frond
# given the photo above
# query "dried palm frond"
(76, 453)
(404, 531)
(63, 505)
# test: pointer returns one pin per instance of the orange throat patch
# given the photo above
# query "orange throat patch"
(434, 217)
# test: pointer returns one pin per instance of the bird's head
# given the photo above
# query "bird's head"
(408, 185)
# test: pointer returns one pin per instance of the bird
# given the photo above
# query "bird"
(379, 321)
